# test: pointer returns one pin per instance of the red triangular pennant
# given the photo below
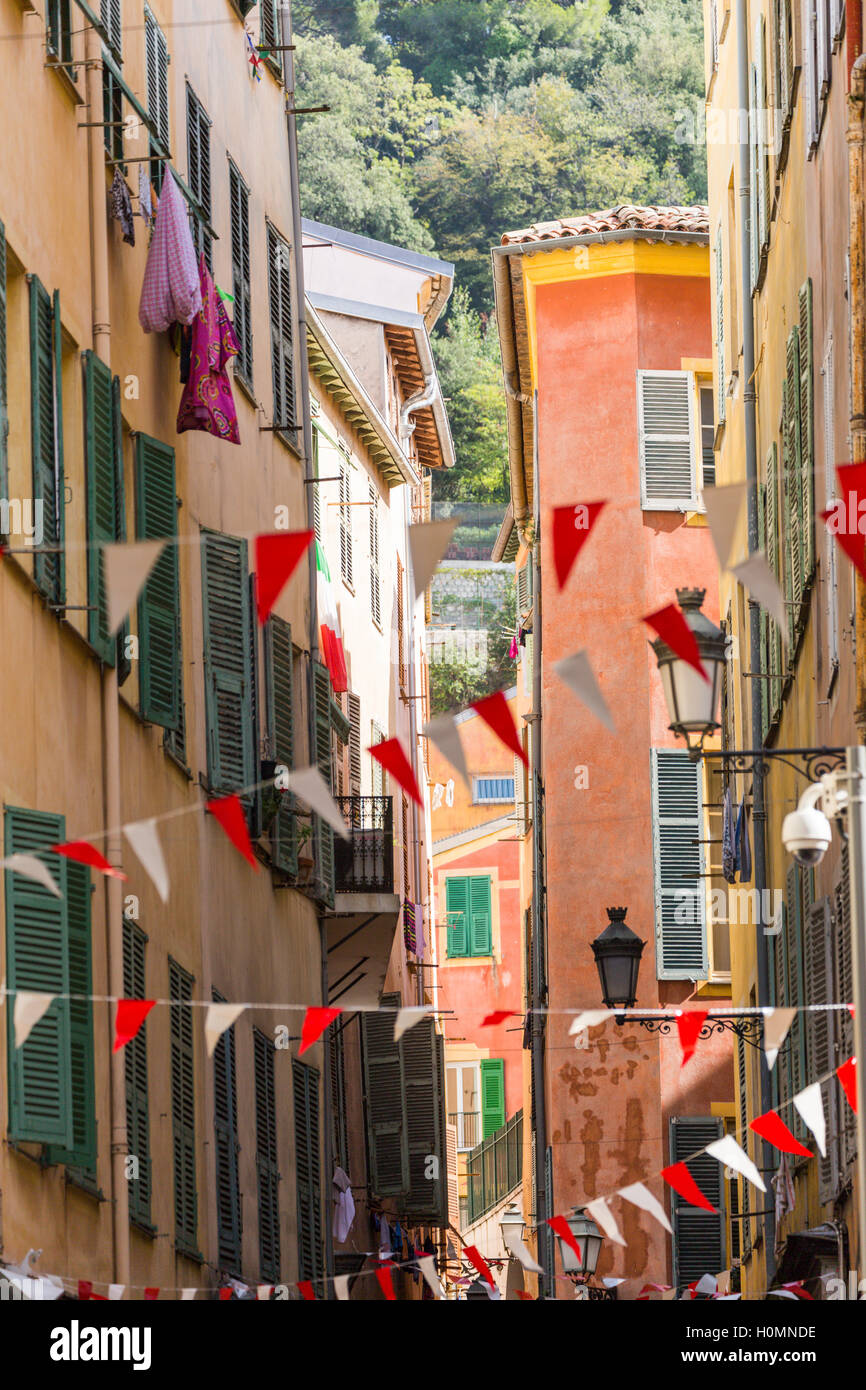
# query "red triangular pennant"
(847, 1075)
(316, 1021)
(689, 1025)
(680, 1179)
(571, 530)
(85, 1290)
(471, 1253)
(386, 1283)
(230, 814)
(151, 1295)
(130, 1015)
(276, 558)
(494, 710)
(85, 853)
(225, 1293)
(672, 628)
(772, 1127)
(521, 1293)
(499, 1016)
(561, 1228)
(390, 755)
(306, 1289)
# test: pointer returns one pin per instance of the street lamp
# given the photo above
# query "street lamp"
(588, 1239)
(617, 954)
(511, 1220)
(691, 700)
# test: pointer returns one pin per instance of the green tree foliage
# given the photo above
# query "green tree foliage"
(467, 357)
(454, 684)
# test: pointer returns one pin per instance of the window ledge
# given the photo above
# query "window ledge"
(286, 441)
(188, 1252)
(245, 388)
(69, 85)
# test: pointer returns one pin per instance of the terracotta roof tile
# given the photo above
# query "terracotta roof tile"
(624, 218)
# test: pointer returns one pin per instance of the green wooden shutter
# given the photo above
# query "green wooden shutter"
(820, 1035)
(37, 958)
(793, 947)
(324, 835)
(427, 1198)
(681, 938)
(4, 390)
(279, 694)
(492, 1095)
(104, 496)
(791, 488)
(457, 916)
(480, 919)
(305, 1094)
(183, 1110)
(227, 647)
(198, 163)
(226, 1148)
(239, 208)
(47, 435)
(844, 992)
(387, 1141)
(267, 1170)
(135, 1059)
(124, 663)
(807, 433)
(698, 1244)
(282, 361)
(159, 601)
(720, 329)
(82, 1153)
(774, 634)
(763, 694)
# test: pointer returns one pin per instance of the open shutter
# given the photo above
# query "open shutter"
(423, 1080)
(793, 939)
(82, 1153)
(457, 916)
(282, 364)
(279, 682)
(375, 576)
(305, 1088)
(847, 1141)
(183, 1110)
(37, 958)
(4, 390)
(354, 708)
(226, 1148)
(239, 206)
(681, 938)
(807, 434)
(762, 136)
(492, 1095)
(121, 640)
(774, 634)
(103, 505)
(791, 489)
(744, 1133)
(763, 693)
(480, 930)
(227, 648)
(47, 442)
(324, 835)
(159, 601)
(820, 1035)
(754, 233)
(720, 329)
(387, 1141)
(666, 427)
(699, 1236)
(135, 1059)
(267, 1169)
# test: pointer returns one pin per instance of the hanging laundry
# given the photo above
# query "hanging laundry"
(121, 205)
(344, 1206)
(384, 1240)
(330, 638)
(184, 338)
(729, 849)
(145, 205)
(742, 845)
(207, 402)
(512, 650)
(784, 1190)
(409, 940)
(171, 291)
(420, 936)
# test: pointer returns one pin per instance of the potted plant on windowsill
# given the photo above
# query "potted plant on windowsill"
(306, 862)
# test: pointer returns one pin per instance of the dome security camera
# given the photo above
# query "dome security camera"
(806, 832)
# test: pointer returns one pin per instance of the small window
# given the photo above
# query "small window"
(708, 433)
(666, 428)
(492, 790)
(198, 162)
(468, 915)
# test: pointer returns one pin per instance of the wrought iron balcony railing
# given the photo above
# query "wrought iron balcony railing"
(365, 862)
(495, 1166)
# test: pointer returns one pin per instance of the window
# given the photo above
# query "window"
(198, 164)
(59, 33)
(797, 484)
(228, 656)
(677, 815)
(305, 1094)
(721, 385)
(156, 53)
(106, 519)
(377, 735)
(112, 92)
(708, 434)
(46, 413)
(698, 1244)
(666, 430)
(821, 26)
(375, 575)
(468, 915)
(492, 790)
(463, 1097)
(346, 567)
(280, 707)
(492, 1095)
(820, 1034)
(239, 200)
(354, 713)
(282, 334)
(401, 643)
(270, 33)
(183, 1109)
(267, 1168)
(337, 1068)
(770, 693)
(135, 1065)
(317, 501)
(159, 629)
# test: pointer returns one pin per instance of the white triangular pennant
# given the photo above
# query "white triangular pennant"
(186, 1294)
(590, 1018)
(143, 836)
(264, 1291)
(603, 1217)
(640, 1196)
(427, 1266)
(341, 1287)
(776, 1025)
(723, 506)
(515, 1246)
(756, 576)
(707, 1284)
(810, 1108)
(405, 1019)
(311, 787)
(115, 1291)
(31, 867)
(125, 568)
(428, 542)
(218, 1018)
(29, 1008)
(576, 672)
(443, 732)
(728, 1152)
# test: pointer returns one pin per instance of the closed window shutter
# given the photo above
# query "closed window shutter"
(763, 694)
(666, 431)
(354, 703)
(267, 1169)
(754, 225)
(4, 391)
(270, 32)
(847, 1141)
(457, 915)
(282, 364)
(198, 163)
(791, 490)
(317, 502)
(375, 577)
(401, 644)
(423, 1074)
(377, 735)
(324, 835)
(698, 1244)
(480, 928)
(82, 1153)
(492, 1095)
(819, 1034)
(110, 13)
(226, 1148)
(135, 1060)
(773, 546)
(305, 1091)
(104, 474)
(807, 434)
(156, 53)
(280, 687)
(254, 796)
(744, 1131)
(239, 203)
(337, 1071)
(346, 564)
(47, 435)
(681, 938)
(183, 1109)
(720, 329)
(159, 601)
(387, 1141)
(227, 651)
(37, 958)
(793, 1058)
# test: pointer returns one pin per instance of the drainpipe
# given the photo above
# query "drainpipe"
(101, 304)
(421, 398)
(514, 398)
(857, 341)
(759, 815)
(413, 727)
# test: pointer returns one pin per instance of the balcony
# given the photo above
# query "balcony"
(495, 1167)
(468, 1126)
(365, 862)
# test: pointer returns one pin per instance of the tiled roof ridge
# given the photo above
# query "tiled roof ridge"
(626, 217)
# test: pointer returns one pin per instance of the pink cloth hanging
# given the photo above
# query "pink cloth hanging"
(207, 402)
(171, 292)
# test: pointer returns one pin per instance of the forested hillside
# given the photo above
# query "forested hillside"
(453, 121)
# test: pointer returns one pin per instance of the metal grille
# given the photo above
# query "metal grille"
(366, 860)
(495, 1167)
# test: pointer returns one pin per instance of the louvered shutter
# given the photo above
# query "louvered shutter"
(121, 637)
(480, 920)
(4, 390)
(423, 1081)
(763, 694)
(324, 835)
(698, 1244)
(159, 601)
(666, 428)
(791, 488)
(807, 434)
(743, 1136)
(761, 118)
(254, 796)
(337, 1075)
(270, 32)
(720, 329)
(375, 577)
(305, 1089)
(227, 648)
(267, 1168)
(754, 234)
(37, 958)
(681, 938)
(795, 1061)
(354, 704)
(156, 53)
(401, 642)
(457, 916)
(82, 1153)
(198, 158)
(282, 363)
(280, 686)
(346, 565)
(135, 1060)
(845, 994)
(774, 634)
(239, 204)
(183, 1110)
(110, 12)
(47, 435)
(387, 1141)
(226, 1147)
(104, 497)
(820, 1034)
(492, 1095)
